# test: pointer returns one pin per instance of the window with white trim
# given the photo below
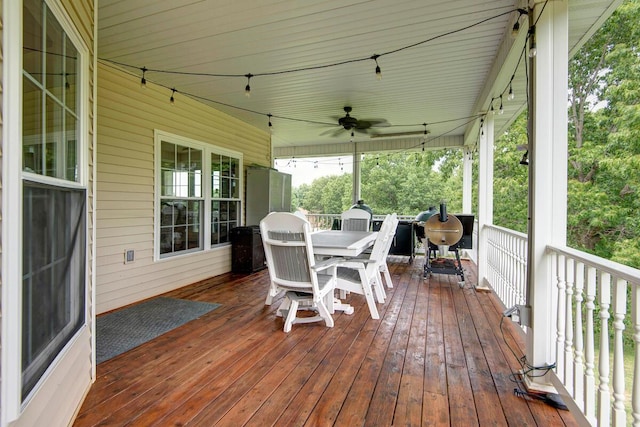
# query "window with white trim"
(195, 181)
(54, 238)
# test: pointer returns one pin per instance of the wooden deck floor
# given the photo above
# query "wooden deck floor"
(436, 357)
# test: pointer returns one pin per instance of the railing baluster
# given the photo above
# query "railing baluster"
(561, 315)
(635, 316)
(578, 362)
(604, 395)
(619, 313)
(590, 379)
(568, 339)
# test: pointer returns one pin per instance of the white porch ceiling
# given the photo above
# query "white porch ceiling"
(444, 82)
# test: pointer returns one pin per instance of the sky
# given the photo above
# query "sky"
(305, 170)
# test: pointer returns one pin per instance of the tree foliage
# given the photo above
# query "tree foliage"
(405, 183)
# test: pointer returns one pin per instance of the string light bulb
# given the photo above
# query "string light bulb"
(424, 137)
(247, 88)
(143, 80)
(525, 159)
(501, 110)
(172, 100)
(532, 42)
(516, 28)
(270, 124)
(491, 109)
(516, 25)
(511, 95)
(378, 70)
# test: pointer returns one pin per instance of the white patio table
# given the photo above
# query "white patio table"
(341, 243)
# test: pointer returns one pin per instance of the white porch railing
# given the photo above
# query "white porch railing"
(507, 264)
(594, 300)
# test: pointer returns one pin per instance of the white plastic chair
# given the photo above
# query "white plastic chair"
(294, 270)
(362, 275)
(383, 266)
(355, 220)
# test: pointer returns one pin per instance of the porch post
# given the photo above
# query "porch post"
(485, 198)
(356, 175)
(467, 176)
(547, 178)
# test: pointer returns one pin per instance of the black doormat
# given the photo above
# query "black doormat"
(129, 327)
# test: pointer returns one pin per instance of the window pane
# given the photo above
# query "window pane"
(32, 38)
(71, 74)
(182, 158)
(53, 283)
(54, 137)
(215, 222)
(180, 226)
(215, 175)
(234, 173)
(71, 141)
(32, 153)
(55, 56)
(168, 155)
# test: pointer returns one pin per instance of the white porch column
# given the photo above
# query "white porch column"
(467, 177)
(547, 176)
(356, 175)
(485, 198)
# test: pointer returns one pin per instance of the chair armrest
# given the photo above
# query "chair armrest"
(327, 263)
(352, 262)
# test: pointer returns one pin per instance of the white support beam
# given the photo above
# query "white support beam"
(368, 146)
(356, 175)
(547, 177)
(485, 199)
(467, 181)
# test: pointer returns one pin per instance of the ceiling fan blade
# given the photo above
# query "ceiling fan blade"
(379, 123)
(333, 131)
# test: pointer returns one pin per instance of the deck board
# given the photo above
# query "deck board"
(438, 356)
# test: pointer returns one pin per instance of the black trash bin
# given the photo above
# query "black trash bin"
(247, 252)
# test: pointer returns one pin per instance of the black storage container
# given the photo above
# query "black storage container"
(403, 241)
(247, 252)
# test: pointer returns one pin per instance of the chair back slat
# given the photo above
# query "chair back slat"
(355, 220)
(289, 257)
(355, 224)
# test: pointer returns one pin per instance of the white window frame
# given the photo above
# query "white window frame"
(12, 179)
(207, 150)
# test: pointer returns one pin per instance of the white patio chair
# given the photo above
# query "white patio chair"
(383, 266)
(355, 220)
(362, 275)
(294, 270)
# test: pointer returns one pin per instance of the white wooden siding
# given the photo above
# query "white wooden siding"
(127, 118)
